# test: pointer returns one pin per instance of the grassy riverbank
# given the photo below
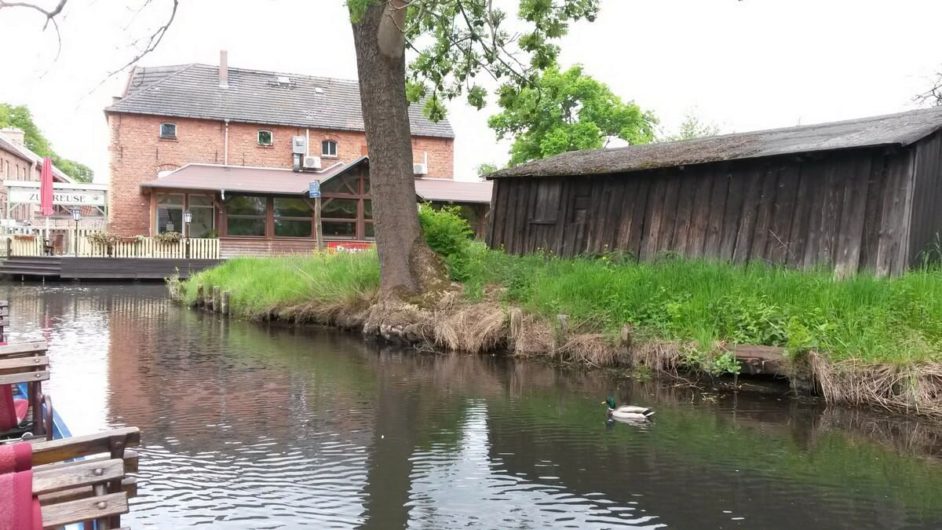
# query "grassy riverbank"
(868, 340)
(895, 320)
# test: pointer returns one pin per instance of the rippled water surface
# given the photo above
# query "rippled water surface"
(252, 427)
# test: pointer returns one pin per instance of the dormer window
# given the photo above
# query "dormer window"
(168, 130)
(265, 138)
(329, 148)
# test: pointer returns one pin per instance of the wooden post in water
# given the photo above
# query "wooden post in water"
(225, 303)
(562, 331)
(199, 296)
(626, 336)
(216, 298)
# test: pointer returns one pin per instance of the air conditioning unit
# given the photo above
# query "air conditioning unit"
(420, 169)
(312, 162)
(299, 145)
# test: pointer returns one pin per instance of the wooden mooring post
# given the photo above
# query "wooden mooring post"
(224, 307)
(217, 298)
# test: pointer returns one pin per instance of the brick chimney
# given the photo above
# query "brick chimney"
(13, 134)
(223, 69)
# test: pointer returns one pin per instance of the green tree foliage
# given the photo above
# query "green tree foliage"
(20, 117)
(486, 169)
(692, 127)
(454, 41)
(566, 111)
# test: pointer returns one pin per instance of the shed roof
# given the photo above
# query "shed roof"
(447, 190)
(255, 96)
(275, 181)
(893, 129)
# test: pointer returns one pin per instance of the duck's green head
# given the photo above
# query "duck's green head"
(610, 402)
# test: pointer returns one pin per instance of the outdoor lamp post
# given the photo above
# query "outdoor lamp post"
(76, 216)
(187, 219)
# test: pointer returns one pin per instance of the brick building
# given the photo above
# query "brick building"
(285, 127)
(19, 164)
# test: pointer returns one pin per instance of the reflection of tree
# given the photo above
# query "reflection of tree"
(389, 470)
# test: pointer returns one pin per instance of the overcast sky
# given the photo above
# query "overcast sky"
(743, 65)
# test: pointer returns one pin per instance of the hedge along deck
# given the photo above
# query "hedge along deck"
(853, 196)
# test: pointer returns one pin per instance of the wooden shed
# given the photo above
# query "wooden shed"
(854, 195)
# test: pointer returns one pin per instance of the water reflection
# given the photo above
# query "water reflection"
(247, 427)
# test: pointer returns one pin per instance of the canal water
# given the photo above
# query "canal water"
(247, 426)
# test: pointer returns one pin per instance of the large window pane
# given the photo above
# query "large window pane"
(292, 228)
(246, 226)
(169, 219)
(367, 209)
(339, 229)
(203, 222)
(291, 208)
(246, 205)
(167, 199)
(370, 232)
(340, 209)
(200, 200)
(342, 184)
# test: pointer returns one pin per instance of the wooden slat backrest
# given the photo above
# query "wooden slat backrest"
(17, 364)
(112, 442)
(67, 475)
(128, 486)
(23, 377)
(22, 349)
(98, 507)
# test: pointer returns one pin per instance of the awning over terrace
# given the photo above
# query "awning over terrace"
(274, 181)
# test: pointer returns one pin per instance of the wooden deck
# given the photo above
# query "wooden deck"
(81, 268)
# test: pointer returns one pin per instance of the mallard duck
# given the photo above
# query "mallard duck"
(627, 412)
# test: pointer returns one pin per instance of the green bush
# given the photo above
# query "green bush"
(449, 235)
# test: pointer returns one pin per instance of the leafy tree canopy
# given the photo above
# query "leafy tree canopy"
(692, 127)
(566, 111)
(455, 40)
(20, 117)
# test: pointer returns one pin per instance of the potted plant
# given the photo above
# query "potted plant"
(168, 237)
(103, 241)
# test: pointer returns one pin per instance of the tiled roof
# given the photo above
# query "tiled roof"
(253, 96)
(25, 153)
(894, 129)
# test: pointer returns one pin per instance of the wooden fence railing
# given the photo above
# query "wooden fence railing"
(144, 247)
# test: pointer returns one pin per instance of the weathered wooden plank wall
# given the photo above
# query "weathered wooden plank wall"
(847, 210)
(927, 201)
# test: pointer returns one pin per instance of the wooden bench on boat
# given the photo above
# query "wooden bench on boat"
(84, 478)
(25, 363)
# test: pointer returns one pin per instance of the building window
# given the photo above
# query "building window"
(203, 223)
(168, 130)
(339, 218)
(329, 148)
(169, 212)
(265, 138)
(293, 218)
(246, 215)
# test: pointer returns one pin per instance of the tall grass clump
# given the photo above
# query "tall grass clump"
(866, 318)
(262, 286)
(449, 235)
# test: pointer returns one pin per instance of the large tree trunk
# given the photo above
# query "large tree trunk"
(407, 265)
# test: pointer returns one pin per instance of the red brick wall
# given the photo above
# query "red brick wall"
(138, 154)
